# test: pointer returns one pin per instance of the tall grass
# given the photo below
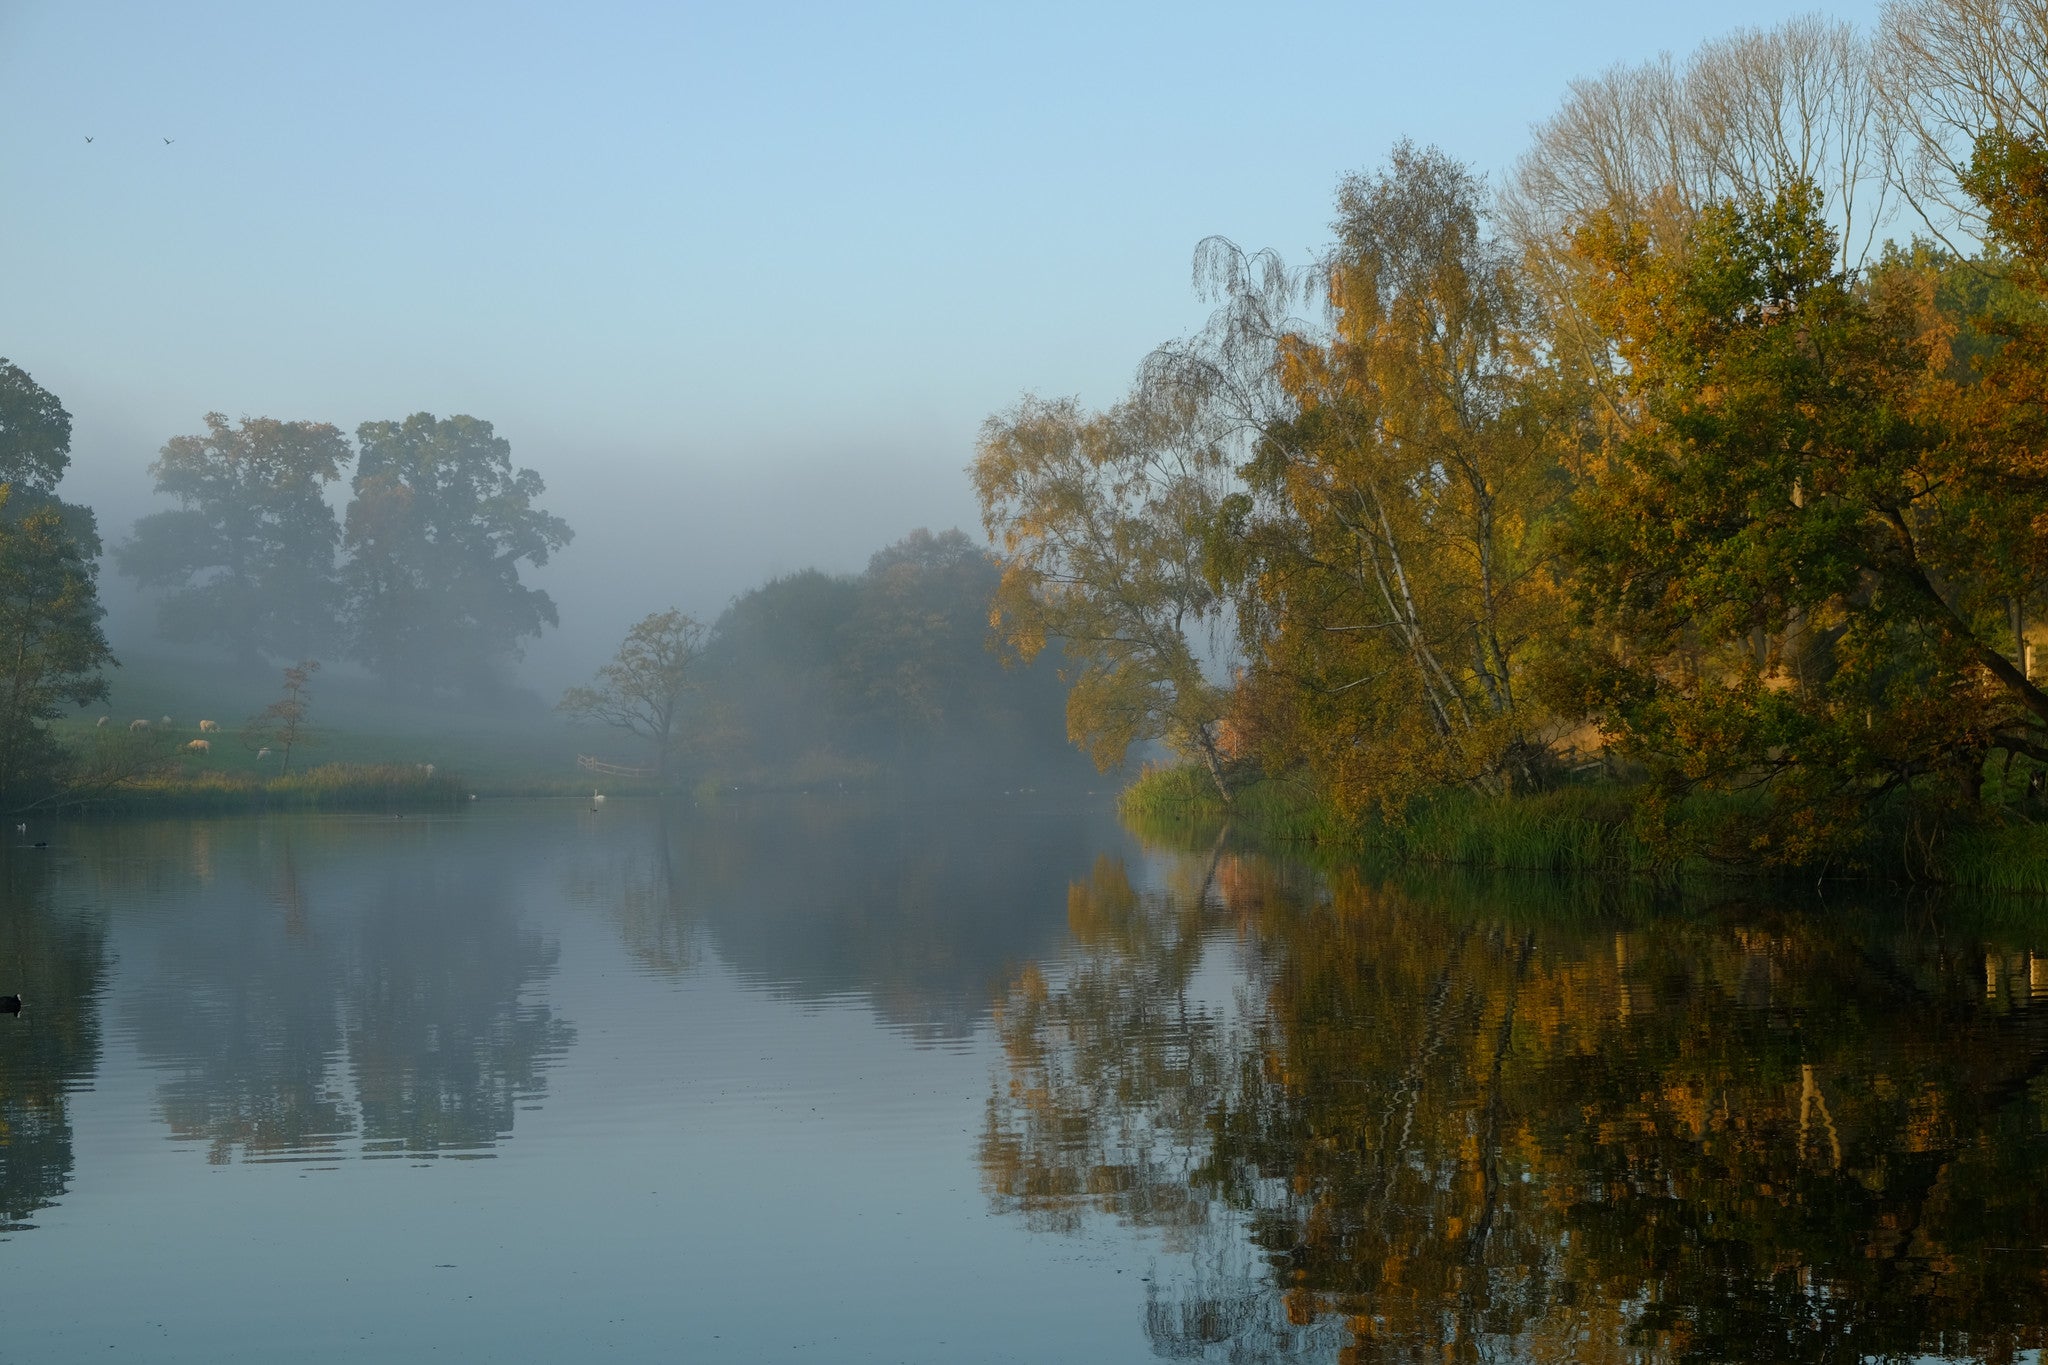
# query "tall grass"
(1582, 829)
(2008, 857)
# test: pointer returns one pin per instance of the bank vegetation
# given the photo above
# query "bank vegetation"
(1680, 499)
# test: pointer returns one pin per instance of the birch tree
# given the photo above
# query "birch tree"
(1105, 523)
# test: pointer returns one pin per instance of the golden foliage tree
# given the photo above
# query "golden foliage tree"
(1105, 522)
(1395, 584)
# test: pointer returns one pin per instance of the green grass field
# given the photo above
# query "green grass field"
(520, 748)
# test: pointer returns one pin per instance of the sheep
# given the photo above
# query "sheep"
(167, 722)
(101, 723)
(263, 752)
(427, 768)
(200, 746)
(209, 727)
(135, 725)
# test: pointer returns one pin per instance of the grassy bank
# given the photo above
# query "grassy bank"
(1589, 829)
(330, 786)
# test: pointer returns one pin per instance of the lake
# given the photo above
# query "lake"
(988, 1080)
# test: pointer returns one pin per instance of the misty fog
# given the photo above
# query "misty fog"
(741, 290)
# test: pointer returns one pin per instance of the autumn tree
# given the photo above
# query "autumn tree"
(1395, 588)
(438, 528)
(1749, 114)
(282, 724)
(1955, 73)
(1105, 523)
(1795, 574)
(246, 561)
(643, 689)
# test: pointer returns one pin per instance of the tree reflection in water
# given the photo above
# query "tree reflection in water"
(442, 1042)
(309, 982)
(1459, 1123)
(57, 962)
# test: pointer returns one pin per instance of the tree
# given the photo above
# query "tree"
(1395, 589)
(279, 725)
(51, 646)
(35, 433)
(247, 560)
(1105, 523)
(1955, 73)
(50, 638)
(35, 450)
(1797, 573)
(437, 530)
(1747, 115)
(643, 689)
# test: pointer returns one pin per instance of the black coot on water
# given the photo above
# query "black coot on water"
(10, 1004)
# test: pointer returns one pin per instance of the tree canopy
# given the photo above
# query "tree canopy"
(645, 686)
(246, 562)
(1655, 465)
(817, 677)
(439, 526)
(49, 601)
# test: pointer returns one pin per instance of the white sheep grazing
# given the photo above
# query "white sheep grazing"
(200, 746)
(209, 727)
(101, 723)
(427, 768)
(134, 725)
(263, 752)
(167, 720)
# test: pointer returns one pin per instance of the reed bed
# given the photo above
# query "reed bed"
(1580, 829)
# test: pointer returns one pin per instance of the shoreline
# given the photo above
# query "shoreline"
(1581, 830)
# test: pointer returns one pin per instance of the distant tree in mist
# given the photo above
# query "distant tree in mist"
(643, 689)
(814, 673)
(438, 528)
(1107, 524)
(246, 562)
(281, 725)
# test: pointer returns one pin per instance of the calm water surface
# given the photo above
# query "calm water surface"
(986, 1081)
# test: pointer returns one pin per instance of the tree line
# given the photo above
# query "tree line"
(418, 581)
(817, 678)
(1651, 460)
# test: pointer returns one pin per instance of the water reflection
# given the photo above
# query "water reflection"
(1451, 1123)
(311, 986)
(918, 912)
(56, 960)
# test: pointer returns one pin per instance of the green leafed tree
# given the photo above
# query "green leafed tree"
(643, 689)
(51, 646)
(246, 561)
(1800, 571)
(439, 526)
(35, 450)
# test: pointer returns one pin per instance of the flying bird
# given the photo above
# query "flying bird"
(169, 140)
(88, 139)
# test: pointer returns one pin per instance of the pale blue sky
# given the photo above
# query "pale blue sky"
(741, 281)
